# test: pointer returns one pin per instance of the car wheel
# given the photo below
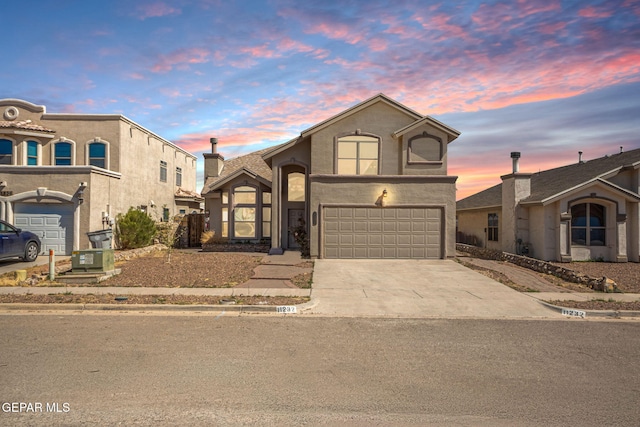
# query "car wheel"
(30, 252)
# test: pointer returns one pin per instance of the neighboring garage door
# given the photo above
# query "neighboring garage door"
(350, 232)
(52, 222)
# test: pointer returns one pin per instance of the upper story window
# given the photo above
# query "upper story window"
(358, 155)
(62, 154)
(6, 152)
(588, 225)
(425, 148)
(163, 171)
(295, 187)
(32, 153)
(492, 227)
(178, 177)
(98, 154)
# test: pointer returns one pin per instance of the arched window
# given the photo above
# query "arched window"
(6, 152)
(244, 212)
(425, 148)
(63, 154)
(357, 155)
(295, 187)
(98, 154)
(588, 224)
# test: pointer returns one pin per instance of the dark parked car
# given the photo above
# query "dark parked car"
(15, 242)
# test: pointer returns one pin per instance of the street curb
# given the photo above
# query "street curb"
(141, 307)
(594, 313)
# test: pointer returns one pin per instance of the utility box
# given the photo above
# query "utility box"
(92, 260)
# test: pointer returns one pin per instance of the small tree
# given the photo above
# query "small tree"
(135, 229)
(301, 238)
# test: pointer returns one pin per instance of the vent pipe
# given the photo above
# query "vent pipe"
(214, 143)
(515, 157)
(621, 149)
(580, 157)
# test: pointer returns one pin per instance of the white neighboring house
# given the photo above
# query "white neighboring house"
(63, 175)
(588, 210)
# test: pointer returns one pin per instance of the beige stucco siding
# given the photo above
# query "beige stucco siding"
(421, 192)
(379, 120)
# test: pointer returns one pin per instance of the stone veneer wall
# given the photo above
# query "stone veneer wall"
(236, 247)
(602, 284)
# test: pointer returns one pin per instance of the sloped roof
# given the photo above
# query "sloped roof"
(381, 97)
(181, 193)
(24, 125)
(252, 163)
(553, 182)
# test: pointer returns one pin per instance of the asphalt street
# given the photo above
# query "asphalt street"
(218, 369)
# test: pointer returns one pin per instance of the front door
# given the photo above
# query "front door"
(295, 218)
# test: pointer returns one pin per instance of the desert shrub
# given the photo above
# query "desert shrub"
(300, 236)
(207, 237)
(135, 229)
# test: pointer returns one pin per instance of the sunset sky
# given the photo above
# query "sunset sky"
(546, 78)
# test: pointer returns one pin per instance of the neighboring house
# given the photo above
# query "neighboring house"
(370, 182)
(63, 175)
(583, 211)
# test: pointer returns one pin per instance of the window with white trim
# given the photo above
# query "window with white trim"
(178, 177)
(6, 152)
(98, 154)
(32, 153)
(163, 171)
(63, 154)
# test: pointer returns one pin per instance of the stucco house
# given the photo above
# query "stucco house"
(369, 182)
(588, 210)
(63, 175)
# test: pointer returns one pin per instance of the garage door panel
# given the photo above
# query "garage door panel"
(375, 239)
(52, 222)
(382, 232)
(360, 227)
(404, 226)
(360, 239)
(375, 226)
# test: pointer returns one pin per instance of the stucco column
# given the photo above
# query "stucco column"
(621, 238)
(76, 226)
(564, 235)
(276, 208)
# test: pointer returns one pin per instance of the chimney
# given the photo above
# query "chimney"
(515, 157)
(580, 157)
(516, 186)
(213, 162)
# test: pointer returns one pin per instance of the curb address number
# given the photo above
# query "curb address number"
(286, 309)
(575, 313)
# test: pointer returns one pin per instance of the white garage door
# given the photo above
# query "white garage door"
(382, 232)
(52, 222)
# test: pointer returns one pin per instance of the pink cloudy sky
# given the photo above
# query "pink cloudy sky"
(547, 78)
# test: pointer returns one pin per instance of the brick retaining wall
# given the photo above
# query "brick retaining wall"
(601, 284)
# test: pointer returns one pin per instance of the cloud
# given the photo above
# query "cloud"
(155, 10)
(181, 58)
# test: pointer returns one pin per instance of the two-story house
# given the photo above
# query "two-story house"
(370, 182)
(63, 175)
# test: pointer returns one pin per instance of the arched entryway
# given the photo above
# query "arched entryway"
(293, 203)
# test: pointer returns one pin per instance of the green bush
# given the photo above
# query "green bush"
(135, 229)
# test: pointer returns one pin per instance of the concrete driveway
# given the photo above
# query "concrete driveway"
(415, 289)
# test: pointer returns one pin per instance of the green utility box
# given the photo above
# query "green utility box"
(92, 260)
